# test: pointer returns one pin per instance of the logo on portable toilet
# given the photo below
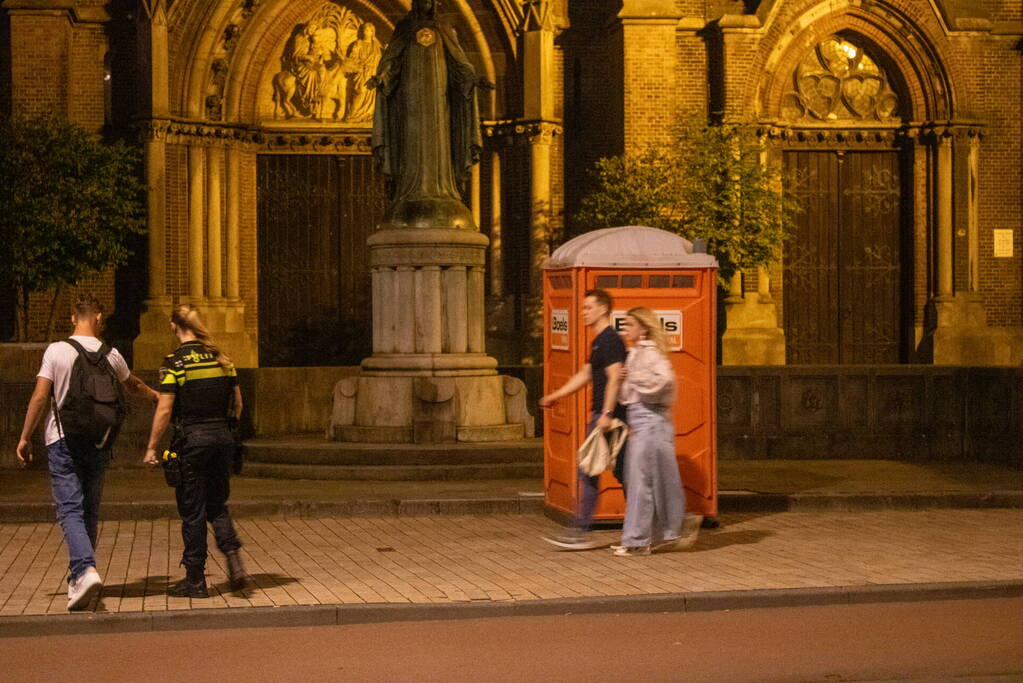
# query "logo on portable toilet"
(671, 323)
(559, 329)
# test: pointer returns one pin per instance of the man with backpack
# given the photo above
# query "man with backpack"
(79, 389)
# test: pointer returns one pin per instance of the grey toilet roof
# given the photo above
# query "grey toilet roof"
(633, 246)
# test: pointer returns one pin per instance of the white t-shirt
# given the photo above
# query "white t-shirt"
(58, 360)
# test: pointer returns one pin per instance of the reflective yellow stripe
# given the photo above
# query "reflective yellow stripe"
(173, 378)
(206, 373)
(207, 364)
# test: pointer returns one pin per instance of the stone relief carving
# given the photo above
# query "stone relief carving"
(325, 66)
(838, 81)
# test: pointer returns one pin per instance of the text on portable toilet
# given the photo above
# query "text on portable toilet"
(671, 323)
(559, 329)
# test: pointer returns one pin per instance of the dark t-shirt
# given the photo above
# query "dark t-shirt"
(607, 349)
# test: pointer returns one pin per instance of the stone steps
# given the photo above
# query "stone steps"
(312, 457)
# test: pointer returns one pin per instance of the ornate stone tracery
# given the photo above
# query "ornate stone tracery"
(326, 64)
(837, 81)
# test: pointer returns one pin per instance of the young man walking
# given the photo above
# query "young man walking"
(607, 356)
(77, 461)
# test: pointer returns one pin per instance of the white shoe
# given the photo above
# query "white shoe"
(687, 539)
(82, 590)
(574, 541)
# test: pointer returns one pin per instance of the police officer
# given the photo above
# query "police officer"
(198, 393)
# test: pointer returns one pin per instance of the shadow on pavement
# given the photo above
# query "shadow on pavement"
(150, 585)
(723, 539)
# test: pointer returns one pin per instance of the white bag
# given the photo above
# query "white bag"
(600, 450)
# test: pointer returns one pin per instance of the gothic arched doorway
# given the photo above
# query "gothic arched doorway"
(845, 274)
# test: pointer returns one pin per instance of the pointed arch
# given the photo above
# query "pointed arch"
(909, 56)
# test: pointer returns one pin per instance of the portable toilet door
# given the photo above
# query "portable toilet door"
(637, 266)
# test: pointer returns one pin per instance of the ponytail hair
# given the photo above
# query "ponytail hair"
(187, 318)
(651, 325)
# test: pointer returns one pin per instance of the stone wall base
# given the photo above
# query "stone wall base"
(961, 336)
(752, 335)
(410, 409)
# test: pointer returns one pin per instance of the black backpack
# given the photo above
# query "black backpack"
(94, 407)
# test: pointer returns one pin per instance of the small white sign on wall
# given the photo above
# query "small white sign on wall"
(559, 329)
(1003, 243)
(671, 323)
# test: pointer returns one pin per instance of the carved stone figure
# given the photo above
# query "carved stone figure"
(325, 67)
(426, 131)
(363, 58)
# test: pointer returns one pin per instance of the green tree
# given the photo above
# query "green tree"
(709, 184)
(68, 205)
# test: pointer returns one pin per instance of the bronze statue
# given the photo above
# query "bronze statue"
(426, 130)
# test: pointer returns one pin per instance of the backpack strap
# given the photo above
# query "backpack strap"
(93, 357)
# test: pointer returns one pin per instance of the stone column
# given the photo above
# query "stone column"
(944, 217)
(539, 125)
(156, 214)
(154, 338)
(475, 315)
(540, 139)
(959, 333)
(496, 254)
(474, 193)
(196, 224)
(214, 256)
(233, 242)
(973, 213)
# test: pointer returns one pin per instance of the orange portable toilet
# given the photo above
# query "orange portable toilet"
(637, 266)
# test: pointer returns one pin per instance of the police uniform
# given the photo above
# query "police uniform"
(203, 393)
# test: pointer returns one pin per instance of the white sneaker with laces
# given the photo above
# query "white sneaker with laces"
(81, 590)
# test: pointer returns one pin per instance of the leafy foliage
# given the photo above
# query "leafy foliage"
(710, 184)
(69, 203)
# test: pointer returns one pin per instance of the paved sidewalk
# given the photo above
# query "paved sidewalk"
(499, 558)
(745, 486)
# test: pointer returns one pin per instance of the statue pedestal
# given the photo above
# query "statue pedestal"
(752, 335)
(961, 335)
(429, 379)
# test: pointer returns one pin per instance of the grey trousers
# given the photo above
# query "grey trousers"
(656, 501)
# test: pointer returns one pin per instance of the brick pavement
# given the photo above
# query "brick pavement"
(444, 559)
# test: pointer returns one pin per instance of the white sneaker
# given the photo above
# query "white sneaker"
(82, 590)
(575, 541)
(687, 539)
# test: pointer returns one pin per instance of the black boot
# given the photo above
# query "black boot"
(236, 576)
(192, 586)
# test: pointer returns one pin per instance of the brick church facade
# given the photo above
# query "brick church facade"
(897, 123)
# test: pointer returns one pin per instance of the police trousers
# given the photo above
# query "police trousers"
(205, 455)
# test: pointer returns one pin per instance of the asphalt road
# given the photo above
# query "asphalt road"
(952, 640)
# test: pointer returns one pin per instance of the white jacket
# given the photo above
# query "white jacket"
(650, 378)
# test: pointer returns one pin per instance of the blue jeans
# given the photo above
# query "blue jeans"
(589, 487)
(76, 480)
(657, 502)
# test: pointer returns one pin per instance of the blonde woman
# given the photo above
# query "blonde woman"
(199, 392)
(656, 502)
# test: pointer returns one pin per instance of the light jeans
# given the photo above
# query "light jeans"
(656, 502)
(76, 480)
